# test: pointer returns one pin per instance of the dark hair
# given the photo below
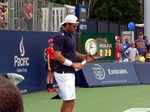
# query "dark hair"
(67, 23)
(10, 97)
(144, 37)
(148, 47)
(64, 24)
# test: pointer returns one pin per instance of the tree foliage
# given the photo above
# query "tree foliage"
(123, 11)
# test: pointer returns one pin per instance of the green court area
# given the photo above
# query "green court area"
(99, 99)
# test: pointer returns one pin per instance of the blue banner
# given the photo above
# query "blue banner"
(22, 52)
(143, 72)
(106, 74)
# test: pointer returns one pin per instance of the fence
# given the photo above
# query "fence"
(47, 16)
(103, 26)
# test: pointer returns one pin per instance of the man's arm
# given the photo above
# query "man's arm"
(83, 56)
(48, 63)
(61, 59)
(125, 53)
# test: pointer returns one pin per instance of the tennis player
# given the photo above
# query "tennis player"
(65, 56)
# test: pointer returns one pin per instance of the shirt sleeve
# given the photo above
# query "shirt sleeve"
(50, 51)
(127, 51)
(47, 51)
(58, 43)
(137, 51)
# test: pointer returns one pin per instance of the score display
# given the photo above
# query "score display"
(100, 45)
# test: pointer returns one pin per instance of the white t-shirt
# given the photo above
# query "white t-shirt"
(132, 52)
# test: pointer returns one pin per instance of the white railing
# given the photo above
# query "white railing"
(47, 16)
(58, 17)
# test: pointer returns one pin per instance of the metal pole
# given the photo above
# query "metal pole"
(11, 14)
(147, 18)
(34, 16)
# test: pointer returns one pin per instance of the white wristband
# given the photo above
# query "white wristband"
(83, 63)
(67, 62)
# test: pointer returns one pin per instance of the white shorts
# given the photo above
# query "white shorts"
(66, 83)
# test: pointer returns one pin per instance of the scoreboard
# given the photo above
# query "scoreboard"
(101, 46)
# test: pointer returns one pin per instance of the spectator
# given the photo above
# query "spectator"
(147, 54)
(28, 14)
(125, 46)
(2, 14)
(117, 49)
(3, 17)
(131, 53)
(146, 39)
(4, 26)
(10, 97)
(140, 44)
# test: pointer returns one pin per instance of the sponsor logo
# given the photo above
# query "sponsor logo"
(99, 72)
(24, 91)
(21, 61)
(21, 48)
(117, 71)
(105, 46)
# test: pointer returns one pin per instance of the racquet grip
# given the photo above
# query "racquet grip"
(83, 63)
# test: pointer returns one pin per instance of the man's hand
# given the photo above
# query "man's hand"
(77, 66)
(88, 58)
(49, 69)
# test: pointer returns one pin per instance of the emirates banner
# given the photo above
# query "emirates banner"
(107, 74)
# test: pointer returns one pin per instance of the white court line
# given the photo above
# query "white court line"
(138, 110)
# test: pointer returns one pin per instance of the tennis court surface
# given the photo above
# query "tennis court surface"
(100, 99)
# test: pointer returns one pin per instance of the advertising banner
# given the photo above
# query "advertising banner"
(22, 52)
(143, 72)
(107, 74)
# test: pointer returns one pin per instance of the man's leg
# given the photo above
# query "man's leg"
(67, 106)
(66, 83)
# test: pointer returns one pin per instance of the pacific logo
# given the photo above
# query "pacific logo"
(21, 61)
